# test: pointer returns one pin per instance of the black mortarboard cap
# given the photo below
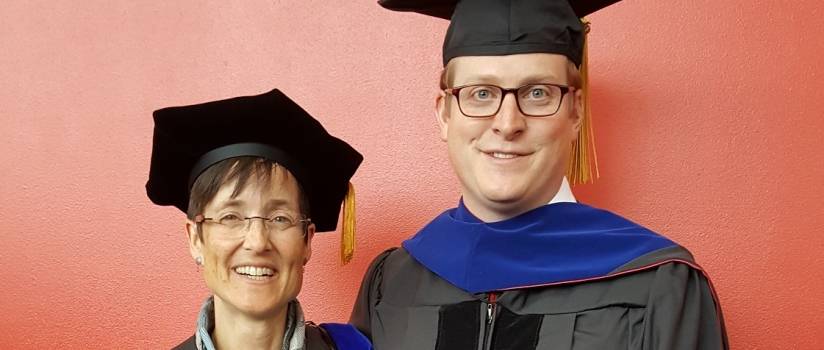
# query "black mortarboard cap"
(506, 27)
(189, 139)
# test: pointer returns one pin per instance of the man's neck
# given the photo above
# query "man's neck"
(488, 214)
(236, 330)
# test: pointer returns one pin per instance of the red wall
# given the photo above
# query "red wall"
(708, 116)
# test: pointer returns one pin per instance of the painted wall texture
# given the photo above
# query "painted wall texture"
(708, 118)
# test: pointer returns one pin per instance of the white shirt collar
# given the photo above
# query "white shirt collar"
(564, 193)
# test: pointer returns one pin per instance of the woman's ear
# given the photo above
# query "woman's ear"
(310, 233)
(195, 239)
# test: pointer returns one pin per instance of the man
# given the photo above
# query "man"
(519, 264)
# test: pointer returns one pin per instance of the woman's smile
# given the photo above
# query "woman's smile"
(255, 273)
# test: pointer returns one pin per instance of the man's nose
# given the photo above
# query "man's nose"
(509, 122)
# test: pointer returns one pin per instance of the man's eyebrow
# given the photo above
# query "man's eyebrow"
(480, 79)
(529, 79)
(541, 78)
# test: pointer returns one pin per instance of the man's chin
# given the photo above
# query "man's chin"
(508, 205)
(503, 196)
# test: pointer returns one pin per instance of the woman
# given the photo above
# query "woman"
(257, 176)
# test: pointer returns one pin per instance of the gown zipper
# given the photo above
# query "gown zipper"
(489, 324)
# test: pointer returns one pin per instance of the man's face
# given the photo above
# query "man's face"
(508, 163)
(252, 270)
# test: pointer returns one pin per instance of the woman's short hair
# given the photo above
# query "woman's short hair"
(241, 169)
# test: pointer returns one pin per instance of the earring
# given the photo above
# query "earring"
(199, 261)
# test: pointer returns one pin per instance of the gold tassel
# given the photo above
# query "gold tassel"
(584, 158)
(347, 238)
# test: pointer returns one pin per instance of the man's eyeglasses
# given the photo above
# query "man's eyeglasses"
(534, 100)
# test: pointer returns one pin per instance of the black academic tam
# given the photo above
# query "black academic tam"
(189, 139)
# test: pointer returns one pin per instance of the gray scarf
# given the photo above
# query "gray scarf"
(294, 335)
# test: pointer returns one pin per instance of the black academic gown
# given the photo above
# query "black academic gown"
(316, 339)
(660, 300)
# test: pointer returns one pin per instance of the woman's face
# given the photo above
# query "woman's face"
(256, 268)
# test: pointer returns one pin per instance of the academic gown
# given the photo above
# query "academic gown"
(564, 276)
(316, 339)
(326, 336)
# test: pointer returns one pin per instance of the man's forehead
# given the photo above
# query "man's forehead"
(534, 67)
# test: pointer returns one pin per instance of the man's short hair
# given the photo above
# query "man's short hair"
(573, 75)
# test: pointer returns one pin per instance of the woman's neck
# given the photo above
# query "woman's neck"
(236, 330)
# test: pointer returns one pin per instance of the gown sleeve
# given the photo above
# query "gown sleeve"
(368, 296)
(683, 312)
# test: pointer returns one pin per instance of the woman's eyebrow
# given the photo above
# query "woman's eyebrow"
(277, 203)
(232, 203)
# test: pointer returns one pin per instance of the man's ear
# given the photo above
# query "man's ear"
(195, 240)
(442, 113)
(578, 112)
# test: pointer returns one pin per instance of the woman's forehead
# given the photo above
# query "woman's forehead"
(278, 191)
